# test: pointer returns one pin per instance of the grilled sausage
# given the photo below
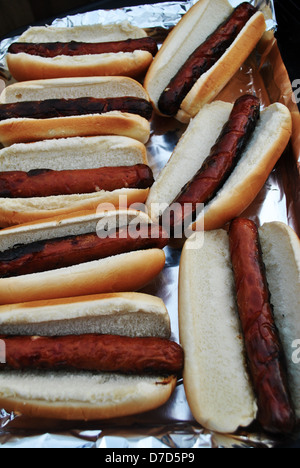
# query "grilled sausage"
(203, 58)
(73, 48)
(104, 353)
(72, 250)
(53, 108)
(264, 351)
(223, 157)
(44, 182)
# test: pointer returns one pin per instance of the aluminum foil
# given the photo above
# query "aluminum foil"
(173, 425)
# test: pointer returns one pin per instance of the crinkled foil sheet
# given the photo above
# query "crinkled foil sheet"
(173, 426)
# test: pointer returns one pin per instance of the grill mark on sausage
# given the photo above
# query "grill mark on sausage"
(264, 352)
(220, 163)
(73, 48)
(203, 58)
(45, 182)
(66, 251)
(53, 108)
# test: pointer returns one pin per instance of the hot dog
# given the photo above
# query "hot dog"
(201, 55)
(71, 250)
(219, 165)
(263, 346)
(45, 182)
(60, 108)
(97, 50)
(113, 357)
(54, 49)
(54, 177)
(54, 108)
(82, 253)
(243, 310)
(105, 353)
(223, 157)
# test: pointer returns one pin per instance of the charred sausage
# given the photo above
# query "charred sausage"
(104, 353)
(221, 161)
(53, 108)
(264, 351)
(72, 250)
(203, 58)
(44, 182)
(73, 48)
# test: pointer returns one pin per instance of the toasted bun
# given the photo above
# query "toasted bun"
(263, 151)
(113, 123)
(27, 67)
(193, 29)
(67, 154)
(125, 272)
(216, 382)
(23, 130)
(82, 396)
(124, 314)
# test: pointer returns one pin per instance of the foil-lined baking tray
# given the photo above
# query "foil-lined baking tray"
(173, 426)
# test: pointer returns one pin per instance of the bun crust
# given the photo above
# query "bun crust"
(113, 123)
(25, 67)
(193, 29)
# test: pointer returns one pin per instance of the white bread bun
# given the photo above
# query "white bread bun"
(265, 147)
(25, 67)
(23, 130)
(82, 395)
(216, 381)
(73, 153)
(85, 395)
(73, 88)
(67, 154)
(281, 251)
(124, 272)
(124, 314)
(192, 30)
(112, 123)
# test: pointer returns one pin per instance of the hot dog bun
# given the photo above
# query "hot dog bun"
(20, 130)
(25, 67)
(216, 382)
(83, 395)
(124, 314)
(68, 154)
(118, 273)
(260, 156)
(193, 29)
(71, 88)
